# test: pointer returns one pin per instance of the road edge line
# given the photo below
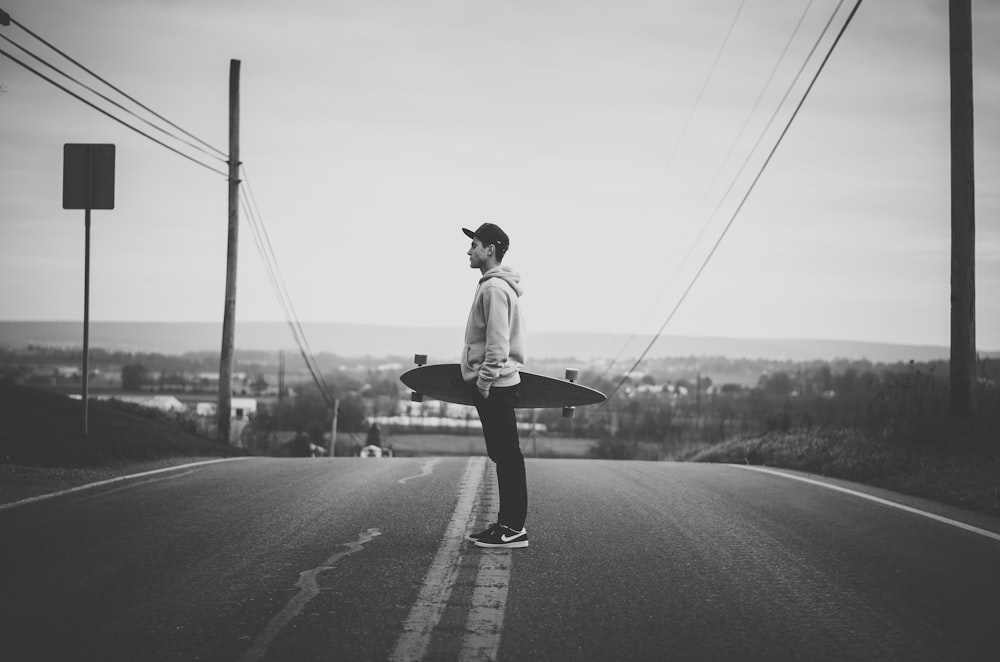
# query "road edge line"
(885, 502)
(116, 479)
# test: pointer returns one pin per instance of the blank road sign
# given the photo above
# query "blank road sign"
(88, 176)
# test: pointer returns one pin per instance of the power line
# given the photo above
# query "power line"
(763, 132)
(701, 94)
(767, 84)
(108, 114)
(259, 231)
(746, 122)
(303, 351)
(289, 314)
(683, 133)
(266, 250)
(112, 101)
(739, 207)
(781, 103)
(116, 89)
(309, 362)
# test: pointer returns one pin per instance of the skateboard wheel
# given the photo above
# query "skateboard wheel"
(420, 359)
(416, 397)
(572, 374)
(569, 412)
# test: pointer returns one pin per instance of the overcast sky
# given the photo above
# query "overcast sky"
(598, 134)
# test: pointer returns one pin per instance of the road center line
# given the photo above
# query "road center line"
(484, 623)
(308, 589)
(879, 500)
(489, 601)
(426, 469)
(426, 612)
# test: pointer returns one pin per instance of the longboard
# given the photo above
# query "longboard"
(443, 381)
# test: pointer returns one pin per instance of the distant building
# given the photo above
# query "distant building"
(240, 408)
(161, 402)
(444, 423)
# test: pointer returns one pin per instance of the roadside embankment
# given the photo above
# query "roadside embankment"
(967, 476)
(42, 448)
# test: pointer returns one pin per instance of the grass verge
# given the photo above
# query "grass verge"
(968, 477)
(42, 448)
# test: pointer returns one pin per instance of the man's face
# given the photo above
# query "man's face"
(477, 254)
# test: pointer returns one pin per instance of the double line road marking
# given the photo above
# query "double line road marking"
(481, 636)
(481, 639)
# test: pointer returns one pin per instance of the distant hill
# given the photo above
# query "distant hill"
(441, 344)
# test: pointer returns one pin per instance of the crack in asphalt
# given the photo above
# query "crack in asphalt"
(308, 589)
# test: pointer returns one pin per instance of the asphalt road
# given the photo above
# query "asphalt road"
(349, 559)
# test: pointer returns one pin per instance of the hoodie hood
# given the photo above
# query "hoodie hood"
(506, 273)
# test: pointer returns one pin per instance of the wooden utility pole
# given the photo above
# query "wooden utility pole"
(963, 215)
(333, 428)
(281, 376)
(229, 313)
(697, 399)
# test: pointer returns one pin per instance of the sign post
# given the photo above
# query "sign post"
(88, 183)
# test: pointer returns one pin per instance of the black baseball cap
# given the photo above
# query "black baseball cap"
(488, 233)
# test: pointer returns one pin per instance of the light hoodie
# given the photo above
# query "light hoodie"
(494, 334)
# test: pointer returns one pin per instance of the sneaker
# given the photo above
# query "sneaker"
(474, 537)
(503, 537)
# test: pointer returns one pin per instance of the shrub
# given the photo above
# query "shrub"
(910, 406)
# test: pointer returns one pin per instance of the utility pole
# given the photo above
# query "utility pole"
(697, 399)
(963, 215)
(229, 313)
(333, 427)
(281, 376)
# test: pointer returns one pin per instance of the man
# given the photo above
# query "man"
(494, 353)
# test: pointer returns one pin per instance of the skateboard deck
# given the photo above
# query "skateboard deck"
(443, 381)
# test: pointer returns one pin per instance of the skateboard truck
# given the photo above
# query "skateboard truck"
(419, 359)
(571, 375)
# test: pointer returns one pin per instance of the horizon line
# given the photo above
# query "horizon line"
(913, 344)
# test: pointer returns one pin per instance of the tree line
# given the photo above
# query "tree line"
(905, 402)
(673, 402)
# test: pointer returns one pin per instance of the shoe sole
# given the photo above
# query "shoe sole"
(503, 545)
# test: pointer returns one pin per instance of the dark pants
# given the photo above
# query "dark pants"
(504, 448)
